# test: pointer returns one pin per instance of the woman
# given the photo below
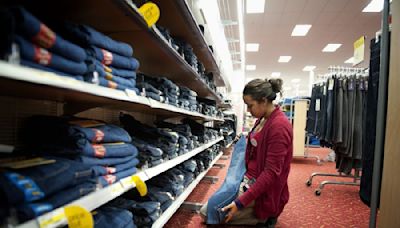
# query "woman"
(264, 191)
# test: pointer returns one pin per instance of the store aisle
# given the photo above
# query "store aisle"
(338, 206)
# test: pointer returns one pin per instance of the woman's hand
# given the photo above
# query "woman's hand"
(231, 209)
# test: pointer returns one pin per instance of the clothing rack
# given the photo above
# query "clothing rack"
(341, 72)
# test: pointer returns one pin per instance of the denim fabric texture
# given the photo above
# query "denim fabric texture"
(104, 161)
(230, 188)
(31, 28)
(31, 64)
(104, 170)
(112, 59)
(112, 178)
(106, 217)
(43, 57)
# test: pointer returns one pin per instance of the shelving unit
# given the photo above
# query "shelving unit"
(94, 200)
(181, 198)
(121, 20)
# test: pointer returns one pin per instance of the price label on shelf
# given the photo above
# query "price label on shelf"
(150, 13)
(51, 219)
(78, 217)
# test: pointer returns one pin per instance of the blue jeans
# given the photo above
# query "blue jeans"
(155, 96)
(167, 83)
(145, 147)
(106, 217)
(112, 178)
(107, 133)
(185, 90)
(157, 194)
(31, 210)
(32, 29)
(230, 188)
(113, 85)
(29, 63)
(120, 72)
(41, 56)
(35, 183)
(104, 161)
(148, 88)
(189, 165)
(104, 170)
(109, 150)
(112, 59)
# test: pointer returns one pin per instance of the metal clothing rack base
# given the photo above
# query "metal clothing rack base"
(318, 191)
(306, 152)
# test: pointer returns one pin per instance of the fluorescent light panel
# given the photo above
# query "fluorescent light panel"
(374, 6)
(255, 6)
(350, 60)
(276, 74)
(331, 47)
(284, 58)
(301, 30)
(309, 68)
(252, 47)
(251, 67)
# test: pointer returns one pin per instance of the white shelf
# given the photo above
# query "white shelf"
(181, 198)
(31, 83)
(94, 200)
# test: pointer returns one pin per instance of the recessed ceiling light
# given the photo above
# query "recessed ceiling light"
(276, 74)
(309, 68)
(284, 59)
(331, 47)
(301, 30)
(296, 80)
(252, 47)
(250, 67)
(255, 6)
(374, 6)
(350, 60)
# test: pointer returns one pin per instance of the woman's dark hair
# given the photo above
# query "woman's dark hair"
(259, 89)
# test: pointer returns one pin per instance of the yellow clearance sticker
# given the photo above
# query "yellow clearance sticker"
(140, 185)
(78, 217)
(150, 12)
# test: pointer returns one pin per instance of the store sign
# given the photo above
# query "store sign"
(359, 47)
(150, 13)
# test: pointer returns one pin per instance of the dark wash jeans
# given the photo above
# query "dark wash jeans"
(41, 56)
(104, 161)
(112, 178)
(230, 188)
(31, 64)
(58, 199)
(104, 170)
(106, 217)
(113, 85)
(38, 182)
(32, 29)
(111, 59)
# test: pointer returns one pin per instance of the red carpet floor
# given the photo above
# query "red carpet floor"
(338, 206)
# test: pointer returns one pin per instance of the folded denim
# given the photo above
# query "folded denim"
(166, 205)
(32, 29)
(120, 72)
(185, 90)
(106, 217)
(35, 183)
(111, 59)
(190, 165)
(42, 56)
(104, 170)
(29, 63)
(28, 211)
(87, 36)
(148, 87)
(129, 82)
(146, 147)
(168, 83)
(155, 96)
(106, 133)
(189, 177)
(104, 161)
(157, 194)
(113, 85)
(141, 209)
(112, 178)
(183, 141)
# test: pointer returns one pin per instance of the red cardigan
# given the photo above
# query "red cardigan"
(274, 154)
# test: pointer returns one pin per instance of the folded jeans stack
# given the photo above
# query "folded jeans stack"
(204, 134)
(160, 89)
(106, 148)
(41, 48)
(188, 99)
(36, 190)
(110, 62)
(115, 217)
(185, 135)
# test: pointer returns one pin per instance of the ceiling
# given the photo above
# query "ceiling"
(333, 21)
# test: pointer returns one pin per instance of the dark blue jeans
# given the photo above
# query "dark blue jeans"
(31, 210)
(109, 150)
(112, 178)
(230, 188)
(111, 59)
(104, 170)
(106, 217)
(148, 87)
(35, 183)
(106, 133)
(113, 85)
(185, 90)
(155, 96)
(41, 56)
(32, 29)
(120, 72)
(29, 63)
(146, 147)
(104, 161)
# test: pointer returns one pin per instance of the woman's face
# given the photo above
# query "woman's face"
(257, 109)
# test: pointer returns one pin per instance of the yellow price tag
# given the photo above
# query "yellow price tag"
(150, 13)
(140, 185)
(78, 217)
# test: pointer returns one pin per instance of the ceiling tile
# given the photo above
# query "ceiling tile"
(336, 5)
(295, 5)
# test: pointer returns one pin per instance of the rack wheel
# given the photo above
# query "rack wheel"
(308, 183)
(318, 192)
